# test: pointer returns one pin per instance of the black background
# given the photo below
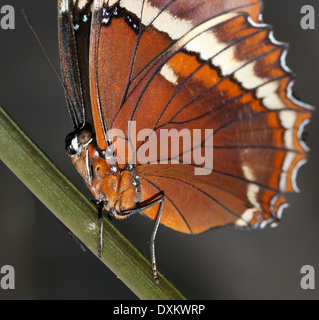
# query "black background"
(221, 264)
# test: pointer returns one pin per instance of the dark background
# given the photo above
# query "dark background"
(221, 264)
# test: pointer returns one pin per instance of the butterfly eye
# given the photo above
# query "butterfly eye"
(84, 136)
(71, 143)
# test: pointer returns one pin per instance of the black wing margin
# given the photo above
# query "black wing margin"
(74, 24)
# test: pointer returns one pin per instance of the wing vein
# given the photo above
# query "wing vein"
(172, 202)
(201, 191)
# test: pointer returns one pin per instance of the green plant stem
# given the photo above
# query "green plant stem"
(78, 213)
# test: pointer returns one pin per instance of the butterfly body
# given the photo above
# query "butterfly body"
(118, 189)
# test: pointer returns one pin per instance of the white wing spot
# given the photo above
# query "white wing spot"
(252, 189)
(168, 73)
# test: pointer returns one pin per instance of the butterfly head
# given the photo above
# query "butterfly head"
(77, 140)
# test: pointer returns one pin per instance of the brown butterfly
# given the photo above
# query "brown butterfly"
(174, 65)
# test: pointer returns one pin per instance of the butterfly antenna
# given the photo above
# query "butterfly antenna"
(42, 47)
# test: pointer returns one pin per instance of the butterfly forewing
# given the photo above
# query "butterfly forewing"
(74, 21)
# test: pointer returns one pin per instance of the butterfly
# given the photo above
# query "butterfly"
(181, 66)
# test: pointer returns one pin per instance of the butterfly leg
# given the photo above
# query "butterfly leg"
(100, 217)
(152, 242)
(153, 235)
(128, 213)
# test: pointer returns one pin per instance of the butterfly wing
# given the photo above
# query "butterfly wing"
(74, 22)
(200, 65)
(117, 61)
